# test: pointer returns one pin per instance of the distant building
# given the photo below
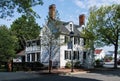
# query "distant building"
(99, 54)
(20, 57)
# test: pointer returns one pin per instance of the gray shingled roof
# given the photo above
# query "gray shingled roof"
(64, 30)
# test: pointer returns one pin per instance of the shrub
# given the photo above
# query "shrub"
(77, 64)
(99, 63)
(68, 64)
(3, 66)
(27, 66)
(111, 58)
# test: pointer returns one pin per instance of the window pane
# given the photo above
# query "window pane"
(84, 55)
(67, 55)
(76, 55)
(38, 56)
(66, 39)
(75, 40)
(28, 57)
(33, 57)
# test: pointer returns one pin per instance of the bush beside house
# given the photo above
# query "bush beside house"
(27, 66)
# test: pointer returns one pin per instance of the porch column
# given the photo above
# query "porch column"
(36, 57)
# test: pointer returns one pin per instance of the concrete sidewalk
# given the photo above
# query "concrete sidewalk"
(63, 71)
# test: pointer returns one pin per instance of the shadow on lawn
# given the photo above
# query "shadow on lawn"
(52, 77)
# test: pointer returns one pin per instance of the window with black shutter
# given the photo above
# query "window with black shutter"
(75, 40)
(84, 55)
(33, 57)
(28, 57)
(38, 56)
(67, 55)
(84, 41)
(66, 39)
(76, 55)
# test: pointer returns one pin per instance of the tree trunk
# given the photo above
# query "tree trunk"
(115, 56)
(50, 66)
(93, 49)
(9, 65)
(50, 61)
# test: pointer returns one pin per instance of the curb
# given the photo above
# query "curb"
(72, 73)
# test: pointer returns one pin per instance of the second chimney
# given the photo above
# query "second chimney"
(81, 20)
(52, 11)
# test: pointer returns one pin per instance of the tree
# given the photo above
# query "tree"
(25, 28)
(103, 27)
(7, 44)
(50, 37)
(8, 7)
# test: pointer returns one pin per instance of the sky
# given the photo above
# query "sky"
(69, 10)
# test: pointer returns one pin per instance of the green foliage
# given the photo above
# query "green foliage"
(99, 63)
(111, 58)
(7, 44)
(27, 66)
(25, 28)
(103, 27)
(68, 64)
(3, 66)
(8, 7)
(119, 52)
(108, 58)
(77, 64)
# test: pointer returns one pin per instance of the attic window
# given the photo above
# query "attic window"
(71, 27)
(83, 28)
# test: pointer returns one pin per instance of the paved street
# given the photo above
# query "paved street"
(96, 75)
(101, 75)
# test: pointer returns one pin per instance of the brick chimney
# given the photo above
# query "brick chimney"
(52, 11)
(81, 20)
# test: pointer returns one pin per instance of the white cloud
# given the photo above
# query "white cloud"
(86, 4)
(79, 3)
(61, 0)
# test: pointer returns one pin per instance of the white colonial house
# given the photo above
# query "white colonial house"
(35, 51)
(38, 50)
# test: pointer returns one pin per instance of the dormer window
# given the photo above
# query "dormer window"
(83, 28)
(71, 27)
